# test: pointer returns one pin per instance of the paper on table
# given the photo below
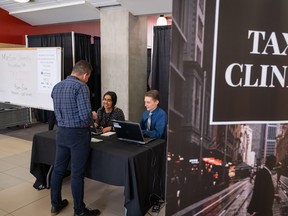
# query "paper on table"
(93, 139)
(108, 134)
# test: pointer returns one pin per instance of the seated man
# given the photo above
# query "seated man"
(154, 119)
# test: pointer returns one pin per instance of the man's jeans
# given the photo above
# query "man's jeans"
(72, 144)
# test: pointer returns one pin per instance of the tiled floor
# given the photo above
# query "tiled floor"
(19, 198)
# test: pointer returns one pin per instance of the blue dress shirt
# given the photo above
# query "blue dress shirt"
(158, 123)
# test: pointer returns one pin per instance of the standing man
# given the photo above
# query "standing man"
(154, 119)
(263, 193)
(71, 98)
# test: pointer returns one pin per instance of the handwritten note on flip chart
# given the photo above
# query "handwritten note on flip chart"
(28, 76)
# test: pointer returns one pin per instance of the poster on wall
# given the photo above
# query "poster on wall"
(227, 109)
(249, 73)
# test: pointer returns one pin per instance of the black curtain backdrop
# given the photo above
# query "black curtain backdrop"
(96, 63)
(63, 40)
(83, 50)
(149, 63)
(161, 63)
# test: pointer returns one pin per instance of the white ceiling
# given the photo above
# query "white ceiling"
(43, 12)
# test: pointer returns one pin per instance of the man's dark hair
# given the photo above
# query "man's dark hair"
(82, 67)
(113, 97)
(153, 94)
(270, 161)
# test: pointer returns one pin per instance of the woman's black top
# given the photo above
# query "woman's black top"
(104, 119)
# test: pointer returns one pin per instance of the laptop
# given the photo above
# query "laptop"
(130, 131)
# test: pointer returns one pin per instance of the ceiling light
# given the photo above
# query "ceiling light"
(161, 20)
(22, 1)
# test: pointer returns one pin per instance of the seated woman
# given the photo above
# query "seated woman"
(108, 112)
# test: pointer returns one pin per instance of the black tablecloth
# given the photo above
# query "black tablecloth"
(139, 168)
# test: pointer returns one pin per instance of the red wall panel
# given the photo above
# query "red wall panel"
(13, 30)
(90, 28)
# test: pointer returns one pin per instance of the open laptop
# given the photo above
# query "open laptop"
(130, 131)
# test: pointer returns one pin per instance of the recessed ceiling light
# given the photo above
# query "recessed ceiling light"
(22, 1)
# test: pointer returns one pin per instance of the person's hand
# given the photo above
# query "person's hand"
(106, 129)
(94, 115)
(95, 125)
(254, 213)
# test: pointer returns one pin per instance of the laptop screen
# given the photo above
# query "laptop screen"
(129, 131)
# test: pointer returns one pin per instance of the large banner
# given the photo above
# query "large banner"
(249, 75)
(228, 57)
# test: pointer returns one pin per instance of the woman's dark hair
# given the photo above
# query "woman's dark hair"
(113, 97)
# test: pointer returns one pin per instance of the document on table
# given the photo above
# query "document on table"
(108, 134)
(93, 139)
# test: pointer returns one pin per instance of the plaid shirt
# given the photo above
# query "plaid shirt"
(71, 99)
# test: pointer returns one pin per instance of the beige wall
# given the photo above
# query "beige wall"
(124, 59)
